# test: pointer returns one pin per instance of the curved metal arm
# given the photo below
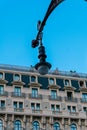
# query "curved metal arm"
(52, 6)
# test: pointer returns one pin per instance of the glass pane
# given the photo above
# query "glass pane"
(1, 75)
(53, 107)
(15, 104)
(73, 127)
(1, 125)
(36, 125)
(16, 77)
(17, 91)
(17, 125)
(66, 82)
(34, 92)
(2, 103)
(1, 89)
(56, 126)
(32, 106)
(33, 79)
(51, 81)
(20, 104)
(37, 106)
(53, 94)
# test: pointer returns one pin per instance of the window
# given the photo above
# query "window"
(51, 81)
(67, 82)
(1, 124)
(73, 127)
(17, 125)
(16, 77)
(85, 109)
(55, 107)
(1, 75)
(73, 109)
(69, 95)
(36, 125)
(84, 97)
(1, 89)
(35, 106)
(33, 79)
(34, 92)
(56, 126)
(2, 103)
(18, 105)
(17, 91)
(53, 94)
(69, 108)
(81, 83)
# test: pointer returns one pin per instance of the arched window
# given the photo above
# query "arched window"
(73, 127)
(1, 125)
(17, 125)
(56, 126)
(36, 125)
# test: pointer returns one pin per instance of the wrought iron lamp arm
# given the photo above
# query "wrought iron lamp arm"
(52, 6)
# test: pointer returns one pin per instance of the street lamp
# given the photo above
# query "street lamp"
(43, 66)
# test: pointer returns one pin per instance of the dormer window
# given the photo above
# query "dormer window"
(67, 83)
(33, 79)
(1, 75)
(81, 83)
(16, 77)
(51, 81)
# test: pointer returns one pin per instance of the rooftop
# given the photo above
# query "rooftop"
(32, 69)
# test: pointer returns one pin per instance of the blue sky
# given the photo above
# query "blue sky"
(65, 33)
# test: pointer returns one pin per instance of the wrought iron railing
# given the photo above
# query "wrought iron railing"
(58, 98)
(15, 94)
(3, 93)
(71, 99)
(37, 96)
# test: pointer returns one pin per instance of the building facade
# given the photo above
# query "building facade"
(30, 101)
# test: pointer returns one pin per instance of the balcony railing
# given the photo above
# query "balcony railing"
(37, 111)
(71, 99)
(18, 109)
(74, 113)
(15, 94)
(58, 98)
(38, 96)
(2, 108)
(57, 112)
(3, 93)
(84, 100)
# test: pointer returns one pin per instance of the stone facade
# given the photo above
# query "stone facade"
(29, 101)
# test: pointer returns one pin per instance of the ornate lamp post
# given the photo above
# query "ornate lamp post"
(43, 66)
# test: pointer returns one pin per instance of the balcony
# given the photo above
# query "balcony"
(15, 94)
(57, 98)
(57, 112)
(37, 111)
(71, 99)
(73, 113)
(3, 93)
(37, 96)
(84, 100)
(2, 108)
(18, 109)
